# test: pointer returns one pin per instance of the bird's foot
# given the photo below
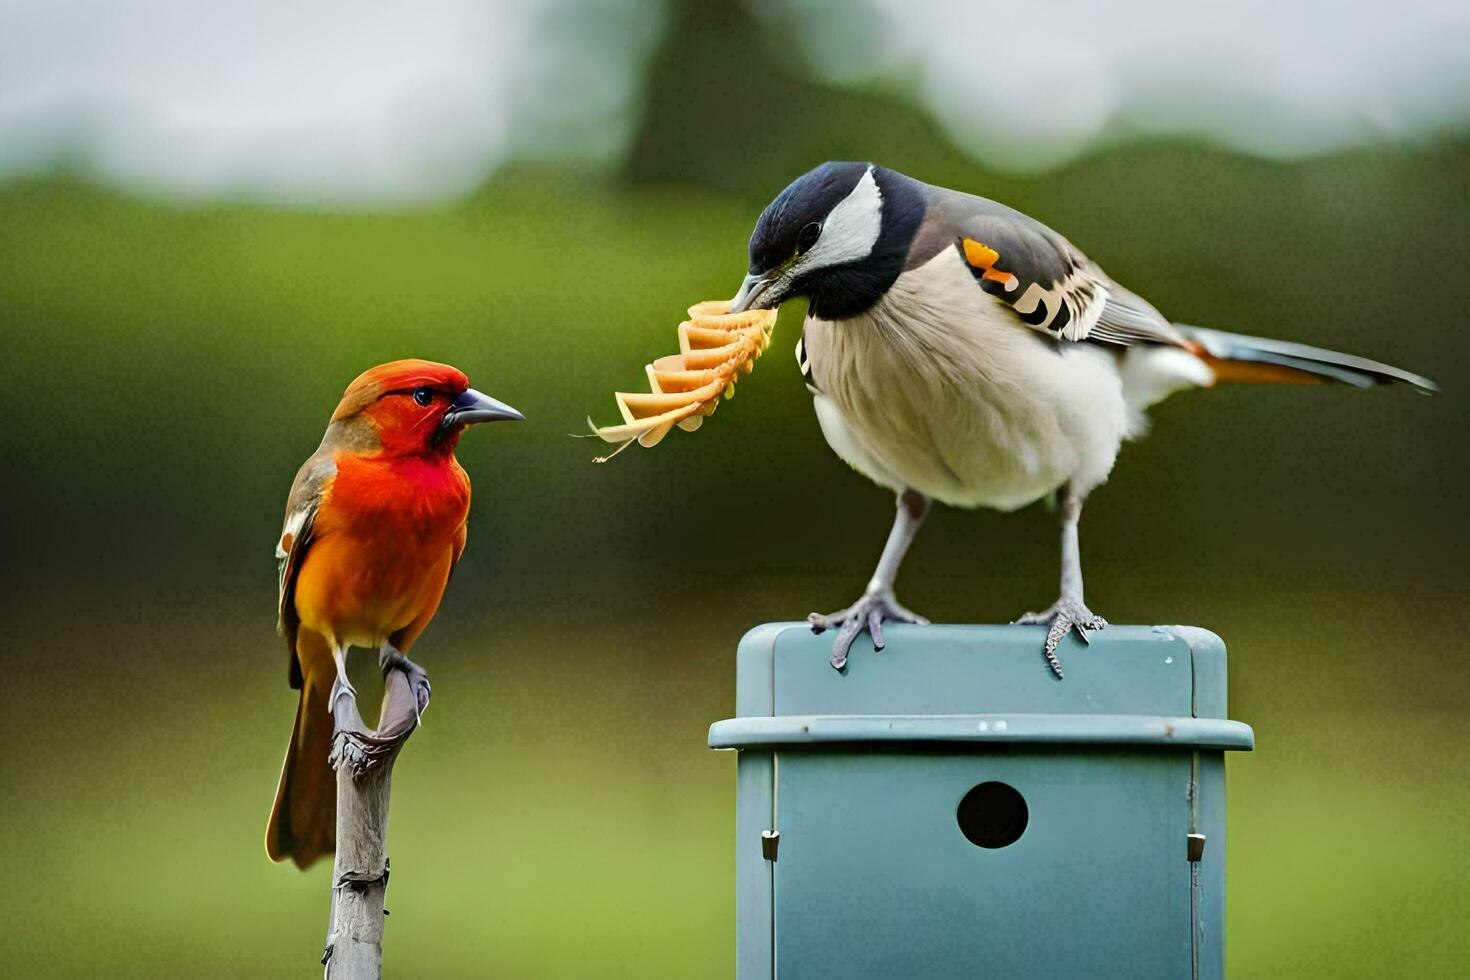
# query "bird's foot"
(349, 731)
(868, 614)
(362, 751)
(1064, 615)
(405, 695)
(389, 658)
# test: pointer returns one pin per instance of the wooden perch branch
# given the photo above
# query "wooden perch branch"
(364, 761)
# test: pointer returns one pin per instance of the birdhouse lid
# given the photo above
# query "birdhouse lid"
(1131, 685)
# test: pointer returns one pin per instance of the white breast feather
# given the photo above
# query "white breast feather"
(943, 390)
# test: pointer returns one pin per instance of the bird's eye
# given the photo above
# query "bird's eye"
(807, 237)
(423, 395)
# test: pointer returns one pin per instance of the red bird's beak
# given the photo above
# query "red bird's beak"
(473, 406)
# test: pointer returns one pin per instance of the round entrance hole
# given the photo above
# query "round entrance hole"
(992, 815)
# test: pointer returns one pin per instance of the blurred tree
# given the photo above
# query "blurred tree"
(729, 106)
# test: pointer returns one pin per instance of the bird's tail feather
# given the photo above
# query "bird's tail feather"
(1258, 360)
(303, 823)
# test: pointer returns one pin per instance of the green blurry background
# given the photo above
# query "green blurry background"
(169, 365)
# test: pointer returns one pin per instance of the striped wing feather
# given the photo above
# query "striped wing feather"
(1055, 289)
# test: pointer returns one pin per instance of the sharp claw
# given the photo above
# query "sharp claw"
(839, 651)
(1065, 615)
(868, 613)
(843, 643)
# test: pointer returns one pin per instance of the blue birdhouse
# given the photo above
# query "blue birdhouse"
(948, 808)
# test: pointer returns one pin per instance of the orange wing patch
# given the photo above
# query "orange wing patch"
(983, 257)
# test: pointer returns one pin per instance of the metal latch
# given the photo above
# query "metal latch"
(770, 842)
(1196, 847)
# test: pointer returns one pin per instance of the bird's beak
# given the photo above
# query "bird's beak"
(756, 294)
(475, 406)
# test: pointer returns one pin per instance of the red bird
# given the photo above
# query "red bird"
(374, 525)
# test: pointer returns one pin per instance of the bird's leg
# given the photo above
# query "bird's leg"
(391, 658)
(348, 728)
(877, 602)
(1069, 612)
(405, 696)
(342, 702)
(342, 685)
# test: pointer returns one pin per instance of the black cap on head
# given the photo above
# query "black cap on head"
(809, 198)
(838, 235)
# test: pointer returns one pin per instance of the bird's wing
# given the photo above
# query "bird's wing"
(310, 486)
(1055, 289)
(1050, 285)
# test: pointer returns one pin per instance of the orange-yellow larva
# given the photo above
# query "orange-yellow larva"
(715, 347)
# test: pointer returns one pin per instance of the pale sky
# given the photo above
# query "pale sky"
(1027, 85)
(344, 102)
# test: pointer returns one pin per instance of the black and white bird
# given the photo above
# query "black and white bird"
(960, 351)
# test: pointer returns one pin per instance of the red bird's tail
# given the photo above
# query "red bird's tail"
(303, 823)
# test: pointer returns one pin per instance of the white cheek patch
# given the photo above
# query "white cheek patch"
(851, 229)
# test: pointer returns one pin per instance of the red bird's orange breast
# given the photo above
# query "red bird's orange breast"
(386, 536)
